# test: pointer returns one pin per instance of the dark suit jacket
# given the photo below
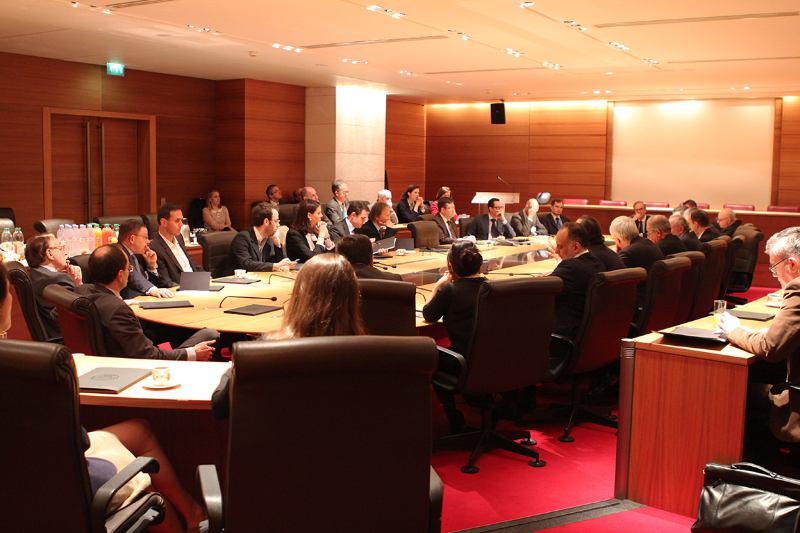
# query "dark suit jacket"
(607, 256)
(141, 280)
(122, 333)
(371, 230)
(41, 278)
(550, 223)
(333, 211)
(641, 252)
(522, 226)
(641, 225)
(709, 234)
(244, 253)
(442, 224)
(570, 302)
(297, 246)
(370, 272)
(730, 230)
(671, 244)
(405, 214)
(340, 229)
(479, 227)
(691, 241)
(168, 267)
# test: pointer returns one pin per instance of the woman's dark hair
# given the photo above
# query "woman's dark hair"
(301, 221)
(442, 191)
(464, 259)
(5, 283)
(409, 190)
(592, 227)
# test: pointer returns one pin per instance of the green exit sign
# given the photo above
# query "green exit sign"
(115, 69)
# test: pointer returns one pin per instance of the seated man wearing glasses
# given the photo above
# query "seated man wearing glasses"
(48, 263)
(122, 331)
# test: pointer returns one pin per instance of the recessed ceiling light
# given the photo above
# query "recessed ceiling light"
(596, 92)
(680, 90)
(276, 45)
(608, 92)
(746, 88)
(609, 73)
(733, 88)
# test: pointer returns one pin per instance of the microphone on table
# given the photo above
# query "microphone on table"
(271, 298)
(379, 263)
(269, 279)
(380, 266)
(507, 183)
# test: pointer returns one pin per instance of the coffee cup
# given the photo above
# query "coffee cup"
(161, 376)
(239, 273)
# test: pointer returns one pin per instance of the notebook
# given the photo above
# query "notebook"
(195, 281)
(695, 334)
(165, 304)
(383, 244)
(111, 380)
(750, 315)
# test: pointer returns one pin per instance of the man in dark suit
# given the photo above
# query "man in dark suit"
(48, 264)
(448, 234)
(640, 217)
(660, 232)
(357, 214)
(554, 219)
(379, 224)
(493, 226)
(336, 209)
(122, 332)
(701, 225)
(526, 222)
(358, 251)
(258, 248)
(597, 244)
(681, 229)
(144, 278)
(576, 269)
(169, 246)
(635, 251)
(726, 223)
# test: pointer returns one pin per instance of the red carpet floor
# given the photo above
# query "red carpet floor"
(644, 519)
(506, 488)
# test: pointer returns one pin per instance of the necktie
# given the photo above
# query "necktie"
(344, 212)
(496, 227)
(380, 232)
(558, 223)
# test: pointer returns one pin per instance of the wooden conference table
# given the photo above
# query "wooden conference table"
(685, 408)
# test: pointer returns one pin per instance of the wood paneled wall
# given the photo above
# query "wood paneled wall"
(405, 148)
(185, 132)
(788, 172)
(260, 141)
(560, 148)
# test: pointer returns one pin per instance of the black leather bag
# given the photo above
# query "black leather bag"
(745, 497)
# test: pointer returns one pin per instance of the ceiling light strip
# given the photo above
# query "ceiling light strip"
(377, 41)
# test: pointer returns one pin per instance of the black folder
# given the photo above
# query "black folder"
(165, 304)
(252, 310)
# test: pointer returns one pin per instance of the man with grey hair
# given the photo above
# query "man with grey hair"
(726, 222)
(681, 229)
(781, 340)
(337, 207)
(385, 196)
(635, 251)
(660, 232)
(526, 223)
(640, 217)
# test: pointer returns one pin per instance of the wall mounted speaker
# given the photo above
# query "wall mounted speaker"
(498, 113)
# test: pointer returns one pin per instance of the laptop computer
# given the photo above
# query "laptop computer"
(384, 244)
(197, 281)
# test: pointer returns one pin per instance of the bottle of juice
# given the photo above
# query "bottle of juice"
(106, 234)
(98, 236)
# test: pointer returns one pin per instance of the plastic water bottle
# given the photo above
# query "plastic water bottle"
(83, 246)
(6, 238)
(88, 238)
(19, 242)
(62, 238)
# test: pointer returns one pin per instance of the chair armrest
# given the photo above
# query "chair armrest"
(573, 348)
(436, 495)
(462, 363)
(212, 497)
(146, 465)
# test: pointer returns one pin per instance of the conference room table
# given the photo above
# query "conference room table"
(682, 405)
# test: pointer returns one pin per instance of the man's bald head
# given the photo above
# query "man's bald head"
(726, 217)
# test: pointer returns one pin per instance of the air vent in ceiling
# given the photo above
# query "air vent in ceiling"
(136, 3)
(699, 19)
(375, 41)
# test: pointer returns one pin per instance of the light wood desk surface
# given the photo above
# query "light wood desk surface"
(197, 383)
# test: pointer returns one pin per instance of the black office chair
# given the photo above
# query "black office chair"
(662, 295)
(395, 300)
(463, 225)
(710, 278)
(745, 266)
(350, 442)
(489, 367)
(26, 300)
(82, 261)
(286, 213)
(79, 321)
(688, 285)
(114, 219)
(196, 213)
(425, 233)
(8, 213)
(45, 480)
(50, 225)
(151, 221)
(730, 262)
(215, 251)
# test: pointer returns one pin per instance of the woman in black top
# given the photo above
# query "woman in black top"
(410, 206)
(453, 299)
(308, 235)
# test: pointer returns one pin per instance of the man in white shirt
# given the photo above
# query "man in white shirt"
(357, 214)
(170, 247)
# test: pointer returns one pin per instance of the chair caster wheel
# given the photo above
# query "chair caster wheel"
(537, 463)
(528, 442)
(470, 469)
(566, 438)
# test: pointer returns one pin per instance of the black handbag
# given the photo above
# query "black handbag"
(745, 497)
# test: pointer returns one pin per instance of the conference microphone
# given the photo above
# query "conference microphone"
(507, 183)
(378, 263)
(271, 298)
(380, 266)
(269, 279)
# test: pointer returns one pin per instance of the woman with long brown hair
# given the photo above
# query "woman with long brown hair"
(308, 235)
(443, 191)
(215, 215)
(410, 206)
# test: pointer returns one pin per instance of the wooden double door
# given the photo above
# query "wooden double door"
(95, 166)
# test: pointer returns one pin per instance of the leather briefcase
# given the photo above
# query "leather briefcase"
(745, 497)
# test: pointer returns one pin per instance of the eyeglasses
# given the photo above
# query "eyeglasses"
(145, 237)
(130, 267)
(773, 268)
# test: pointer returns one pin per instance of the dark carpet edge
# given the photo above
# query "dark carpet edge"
(570, 515)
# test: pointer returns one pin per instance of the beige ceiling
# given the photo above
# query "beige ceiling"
(704, 48)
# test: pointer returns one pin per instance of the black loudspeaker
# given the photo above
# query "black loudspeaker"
(498, 113)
